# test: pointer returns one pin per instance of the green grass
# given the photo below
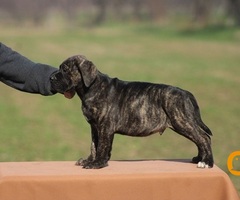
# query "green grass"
(205, 62)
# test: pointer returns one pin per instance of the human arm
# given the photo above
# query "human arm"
(21, 73)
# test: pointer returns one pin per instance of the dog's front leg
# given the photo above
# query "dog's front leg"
(94, 144)
(103, 152)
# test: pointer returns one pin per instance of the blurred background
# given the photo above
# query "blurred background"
(199, 12)
(192, 44)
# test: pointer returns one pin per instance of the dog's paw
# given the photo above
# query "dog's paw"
(203, 165)
(81, 162)
(207, 162)
(95, 165)
(196, 159)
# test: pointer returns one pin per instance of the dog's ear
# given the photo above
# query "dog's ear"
(88, 71)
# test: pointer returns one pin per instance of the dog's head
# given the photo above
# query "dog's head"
(73, 72)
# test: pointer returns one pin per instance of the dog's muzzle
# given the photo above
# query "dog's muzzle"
(60, 85)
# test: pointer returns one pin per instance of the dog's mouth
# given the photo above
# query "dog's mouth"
(61, 86)
(69, 93)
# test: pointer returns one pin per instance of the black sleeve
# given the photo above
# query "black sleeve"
(20, 73)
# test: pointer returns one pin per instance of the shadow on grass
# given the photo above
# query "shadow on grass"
(215, 32)
(211, 32)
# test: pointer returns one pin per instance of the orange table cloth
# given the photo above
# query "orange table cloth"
(121, 180)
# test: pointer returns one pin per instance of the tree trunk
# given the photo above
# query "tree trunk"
(201, 12)
(234, 9)
(102, 7)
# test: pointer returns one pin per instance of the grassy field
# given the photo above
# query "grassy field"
(205, 62)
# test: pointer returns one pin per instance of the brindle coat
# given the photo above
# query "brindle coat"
(130, 108)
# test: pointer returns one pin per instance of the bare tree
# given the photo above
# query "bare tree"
(131, 8)
(156, 8)
(138, 5)
(234, 10)
(102, 9)
(26, 9)
(201, 11)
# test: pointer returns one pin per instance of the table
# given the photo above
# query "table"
(121, 180)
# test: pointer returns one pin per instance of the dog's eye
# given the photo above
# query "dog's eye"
(64, 68)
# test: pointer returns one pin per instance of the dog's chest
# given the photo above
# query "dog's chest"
(95, 109)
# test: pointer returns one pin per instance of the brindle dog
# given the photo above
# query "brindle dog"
(130, 108)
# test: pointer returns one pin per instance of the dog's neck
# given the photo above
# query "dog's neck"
(82, 90)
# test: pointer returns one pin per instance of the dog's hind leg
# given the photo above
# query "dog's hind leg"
(203, 143)
(204, 157)
(184, 118)
(186, 124)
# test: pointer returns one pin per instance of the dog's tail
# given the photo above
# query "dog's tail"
(202, 126)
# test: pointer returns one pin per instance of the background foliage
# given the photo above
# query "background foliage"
(94, 12)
